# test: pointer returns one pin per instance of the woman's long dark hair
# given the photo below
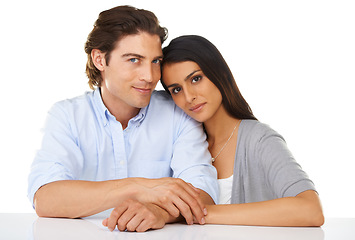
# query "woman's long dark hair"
(201, 51)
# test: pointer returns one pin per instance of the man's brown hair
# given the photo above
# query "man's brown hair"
(110, 27)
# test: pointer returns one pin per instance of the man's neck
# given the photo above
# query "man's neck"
(119, 109)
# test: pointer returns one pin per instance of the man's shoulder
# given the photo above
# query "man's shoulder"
(161, 97)
(162, 106)
(79, 105)
(161, 101)
(80, 100)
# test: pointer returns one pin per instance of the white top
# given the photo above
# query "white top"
(225, 190)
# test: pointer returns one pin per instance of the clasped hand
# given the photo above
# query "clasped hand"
(156, 202)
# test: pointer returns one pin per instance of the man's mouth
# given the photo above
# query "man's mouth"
(143, 90)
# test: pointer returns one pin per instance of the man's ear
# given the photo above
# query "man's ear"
(98, 58)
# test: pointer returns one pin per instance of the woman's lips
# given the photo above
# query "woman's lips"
(197, 107)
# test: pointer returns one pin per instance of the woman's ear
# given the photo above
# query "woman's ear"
(98, 58)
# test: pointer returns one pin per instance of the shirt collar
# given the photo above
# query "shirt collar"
(105, 113)
(141, 115)
(101, 106)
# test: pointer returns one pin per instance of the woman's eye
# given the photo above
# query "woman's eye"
(196, 79)
(176, 90)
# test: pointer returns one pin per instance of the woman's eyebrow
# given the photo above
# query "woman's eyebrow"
(173, 85)
(193, 72)
(187, 77)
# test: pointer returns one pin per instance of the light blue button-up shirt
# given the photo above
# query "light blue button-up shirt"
(83, 141)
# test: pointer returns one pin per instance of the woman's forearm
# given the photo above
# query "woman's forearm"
(303, 210)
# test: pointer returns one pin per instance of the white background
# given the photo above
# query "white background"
(294, 62)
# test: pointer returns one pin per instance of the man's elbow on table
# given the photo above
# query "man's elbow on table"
(45, 204)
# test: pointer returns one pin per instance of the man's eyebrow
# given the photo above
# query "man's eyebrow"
(187, 77)
(139, 56)
(132, 55)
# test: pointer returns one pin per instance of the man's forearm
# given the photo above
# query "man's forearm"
(75, 198)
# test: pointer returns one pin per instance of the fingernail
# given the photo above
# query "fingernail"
(205, 211)
(203, 221)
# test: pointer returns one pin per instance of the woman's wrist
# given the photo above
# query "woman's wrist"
(211, 211)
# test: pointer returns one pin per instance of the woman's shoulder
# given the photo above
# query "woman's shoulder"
(254, 126)
(255, 131)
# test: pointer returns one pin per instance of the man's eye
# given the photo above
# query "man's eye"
(176, 90)
(158, 61)
(134, 60)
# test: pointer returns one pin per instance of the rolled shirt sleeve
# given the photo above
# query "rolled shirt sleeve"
(59, 157)
(191, 160)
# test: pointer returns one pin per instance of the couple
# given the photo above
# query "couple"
(127, 147)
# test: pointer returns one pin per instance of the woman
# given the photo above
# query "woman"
(260, 182)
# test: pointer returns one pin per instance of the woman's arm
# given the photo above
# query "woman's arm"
(301, 211)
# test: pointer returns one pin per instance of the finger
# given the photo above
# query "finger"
(175, 201)
(198, 213)
(194, 206)
(114, 216)
(184, 210)
(169, 206)
(193, 192)
(134, 222)
(104, 222)
(196, 189)
(143, 226)
(125, 218)
(188, 187)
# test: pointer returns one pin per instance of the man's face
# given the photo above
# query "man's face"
(132, 73)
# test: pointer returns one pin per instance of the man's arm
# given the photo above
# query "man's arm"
(75, 198)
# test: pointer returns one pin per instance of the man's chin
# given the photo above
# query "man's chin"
(142, 104)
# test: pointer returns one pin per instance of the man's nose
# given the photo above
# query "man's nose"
(147, 73)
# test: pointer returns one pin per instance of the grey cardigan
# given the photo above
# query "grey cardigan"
(264, 168)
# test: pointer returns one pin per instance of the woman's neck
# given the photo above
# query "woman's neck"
(219, 126)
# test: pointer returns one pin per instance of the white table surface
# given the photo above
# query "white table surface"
(29, 226)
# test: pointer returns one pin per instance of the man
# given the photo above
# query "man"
(123, 146)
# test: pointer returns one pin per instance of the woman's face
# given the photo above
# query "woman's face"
(191, 90)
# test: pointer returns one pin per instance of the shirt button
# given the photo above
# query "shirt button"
(122, 162)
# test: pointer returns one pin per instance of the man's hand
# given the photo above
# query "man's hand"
(132, 216)
(176, 197)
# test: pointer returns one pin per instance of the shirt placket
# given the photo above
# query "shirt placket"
(120, 159)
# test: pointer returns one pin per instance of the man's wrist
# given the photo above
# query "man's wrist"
(122, 190)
